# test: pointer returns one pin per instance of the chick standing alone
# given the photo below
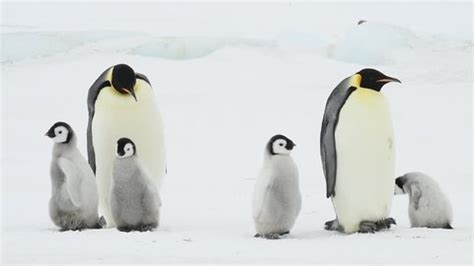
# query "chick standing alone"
(428, 206)
(74, 200)
(134, 198)
(277, 198)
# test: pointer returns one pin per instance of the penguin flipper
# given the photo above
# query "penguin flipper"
(143, 77)
(334, 105)
(415, 196)
(100, 83)
(91, 107)
(73, 180)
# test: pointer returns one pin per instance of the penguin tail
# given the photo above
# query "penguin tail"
(448, 226)
(101, 223)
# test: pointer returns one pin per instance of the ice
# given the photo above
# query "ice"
(374, 44)
(21, 45)
(181, 48)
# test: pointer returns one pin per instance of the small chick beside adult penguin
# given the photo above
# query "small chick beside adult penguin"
(134, 198)
(277, 197)
(74, 199)
(428, 205)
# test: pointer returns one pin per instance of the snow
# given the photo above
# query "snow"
(227, 79)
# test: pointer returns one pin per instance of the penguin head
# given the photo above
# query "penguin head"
(125, 148)
(373, 79)
(124, 79)
(399, 184)
(280, 145)
(60, 132)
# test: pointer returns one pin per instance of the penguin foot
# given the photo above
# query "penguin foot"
(272, 235)
(333, 225)
(145, 227)
(367, 227)
(124, 229)
(385, 223)
(372, 227)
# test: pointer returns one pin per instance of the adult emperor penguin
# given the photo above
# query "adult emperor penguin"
(134, 198)
(358, 153)
(121, 102)
(277, 197)
(74, 199)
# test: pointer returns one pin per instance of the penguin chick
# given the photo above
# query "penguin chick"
(74, 199)
(134, 198)
(428, 205)
(277, 197)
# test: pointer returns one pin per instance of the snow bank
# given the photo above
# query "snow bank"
(27, 45)
(374, 44)
(181, 48)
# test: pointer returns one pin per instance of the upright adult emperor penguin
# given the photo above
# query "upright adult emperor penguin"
(358, 153)
(121, 102)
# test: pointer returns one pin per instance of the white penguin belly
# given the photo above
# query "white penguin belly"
(365, 160)
(118, 116)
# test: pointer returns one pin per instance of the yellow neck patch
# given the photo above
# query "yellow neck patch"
(365, 95)
(355, 81)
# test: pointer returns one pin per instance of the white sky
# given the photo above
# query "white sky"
(240, 19)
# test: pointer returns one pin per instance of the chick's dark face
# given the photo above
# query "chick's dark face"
(374, 79)
(124, 79)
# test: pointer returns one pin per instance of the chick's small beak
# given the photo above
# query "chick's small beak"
(131, 92)
(389, 79)
(49, 134)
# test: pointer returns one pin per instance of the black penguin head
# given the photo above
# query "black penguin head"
(374, 79)
(124, 79)
(60, 132)
(280, 145)
(125, 148)
(400, 182)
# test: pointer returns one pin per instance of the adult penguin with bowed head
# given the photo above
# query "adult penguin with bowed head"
(122, 102)
(358, 153)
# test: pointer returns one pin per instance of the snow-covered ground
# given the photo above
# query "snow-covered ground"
(228, 77)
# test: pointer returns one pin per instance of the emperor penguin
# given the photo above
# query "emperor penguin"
(74, 200)
(134, 198)
(428, 205)
(277, 197)
(358, 153)
(121, 102)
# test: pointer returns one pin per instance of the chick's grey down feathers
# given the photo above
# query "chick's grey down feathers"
(134, 198)
(74, 201)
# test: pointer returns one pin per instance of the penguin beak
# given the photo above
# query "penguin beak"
(50, 134)
(389, 79)
(131, 92)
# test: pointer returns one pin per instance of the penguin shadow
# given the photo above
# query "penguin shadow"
(315, 234)
(299, 235)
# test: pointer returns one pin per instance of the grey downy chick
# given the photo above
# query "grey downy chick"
(428, 205)
(277, 197)
(134, 198)
(74, 199)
